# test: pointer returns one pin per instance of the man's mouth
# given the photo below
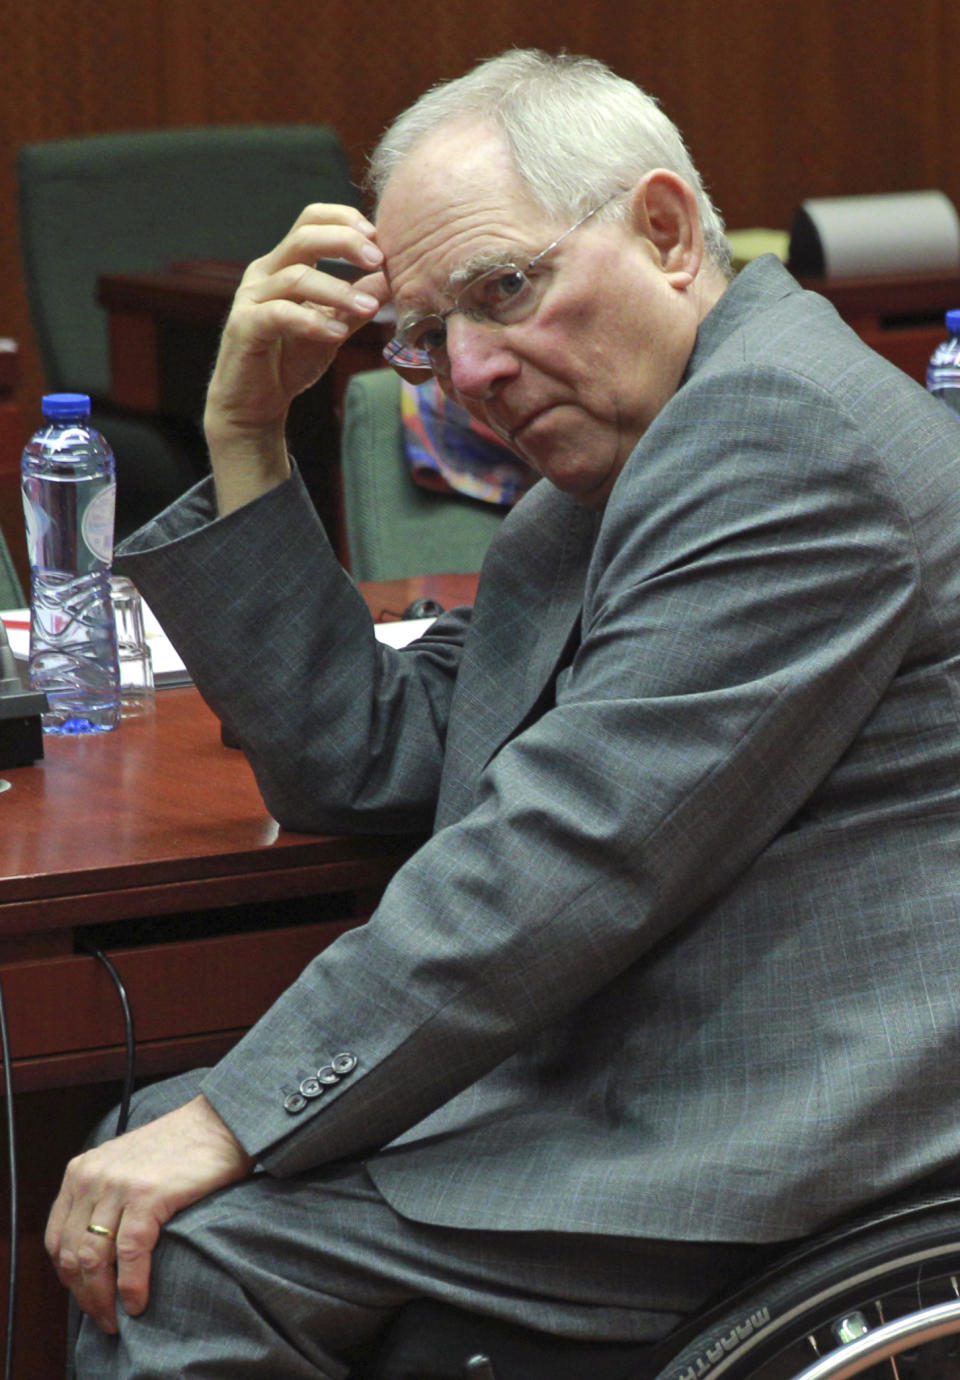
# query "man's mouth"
(514, 433)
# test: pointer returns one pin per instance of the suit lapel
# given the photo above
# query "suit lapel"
(559, 621)
(525, 627)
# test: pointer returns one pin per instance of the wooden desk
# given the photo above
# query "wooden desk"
(156, 837)
(158, 819)
(150, 822)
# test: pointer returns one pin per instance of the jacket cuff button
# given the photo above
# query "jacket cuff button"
(343, 1063)
(294, 1102)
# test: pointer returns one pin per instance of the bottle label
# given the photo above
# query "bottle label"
(97, 524)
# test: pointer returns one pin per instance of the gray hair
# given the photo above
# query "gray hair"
(577, 133)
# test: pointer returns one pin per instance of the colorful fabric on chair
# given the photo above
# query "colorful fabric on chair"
(448, 450)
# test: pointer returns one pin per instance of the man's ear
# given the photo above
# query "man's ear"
(664, 211)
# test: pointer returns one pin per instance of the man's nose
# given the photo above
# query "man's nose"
(478, 356)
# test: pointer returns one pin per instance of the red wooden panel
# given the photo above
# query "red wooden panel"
(183, 989)
(909, 349)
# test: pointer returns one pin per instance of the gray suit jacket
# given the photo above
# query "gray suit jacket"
(678, 959)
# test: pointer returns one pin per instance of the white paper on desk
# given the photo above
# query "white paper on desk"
(168, 669)
(405, 630)
(17, 636)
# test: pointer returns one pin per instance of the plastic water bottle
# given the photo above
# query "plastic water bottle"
(943, 371)
(69, 491)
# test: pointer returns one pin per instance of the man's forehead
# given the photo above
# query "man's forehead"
(453, 152)
(452, 208)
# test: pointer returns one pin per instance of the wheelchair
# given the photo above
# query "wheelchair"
(878, 1296)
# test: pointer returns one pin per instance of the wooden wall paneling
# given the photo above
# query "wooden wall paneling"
(778, 101)
(65, 68)
(944, 118)
(784, 102)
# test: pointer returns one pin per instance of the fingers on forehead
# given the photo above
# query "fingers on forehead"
(308, 243)
(331, 213)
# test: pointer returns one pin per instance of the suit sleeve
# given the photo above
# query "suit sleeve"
(750, 599)
(344, 734)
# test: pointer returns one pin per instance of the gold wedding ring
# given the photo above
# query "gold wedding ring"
(101, 1231)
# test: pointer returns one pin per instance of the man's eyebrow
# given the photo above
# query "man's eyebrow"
(482, 263)
(409, 316)
(461, 277)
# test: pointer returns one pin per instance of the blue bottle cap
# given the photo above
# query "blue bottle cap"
(65, 405)
(953, 321)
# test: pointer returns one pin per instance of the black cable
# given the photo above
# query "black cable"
(122, 1118)
(131, 1043)
(14, 1191)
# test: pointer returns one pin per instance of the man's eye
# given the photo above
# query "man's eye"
(511, 284)
(505, 287)
(434, 338)
(429, 335)
(498, 292)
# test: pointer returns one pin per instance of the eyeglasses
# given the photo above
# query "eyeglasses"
(502, 295)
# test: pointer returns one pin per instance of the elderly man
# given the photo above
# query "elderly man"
(672, 978)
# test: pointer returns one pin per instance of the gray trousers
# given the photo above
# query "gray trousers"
(282, 1279)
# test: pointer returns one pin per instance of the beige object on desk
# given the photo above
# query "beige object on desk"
(749, 244)
(867, 236)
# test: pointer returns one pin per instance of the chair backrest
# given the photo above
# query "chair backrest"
(394, 527)
(11, 592)
(135, 202)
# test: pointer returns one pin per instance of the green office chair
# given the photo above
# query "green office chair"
(136, 202)
(394, 527)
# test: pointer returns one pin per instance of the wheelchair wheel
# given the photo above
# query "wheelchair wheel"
(854, 1281)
